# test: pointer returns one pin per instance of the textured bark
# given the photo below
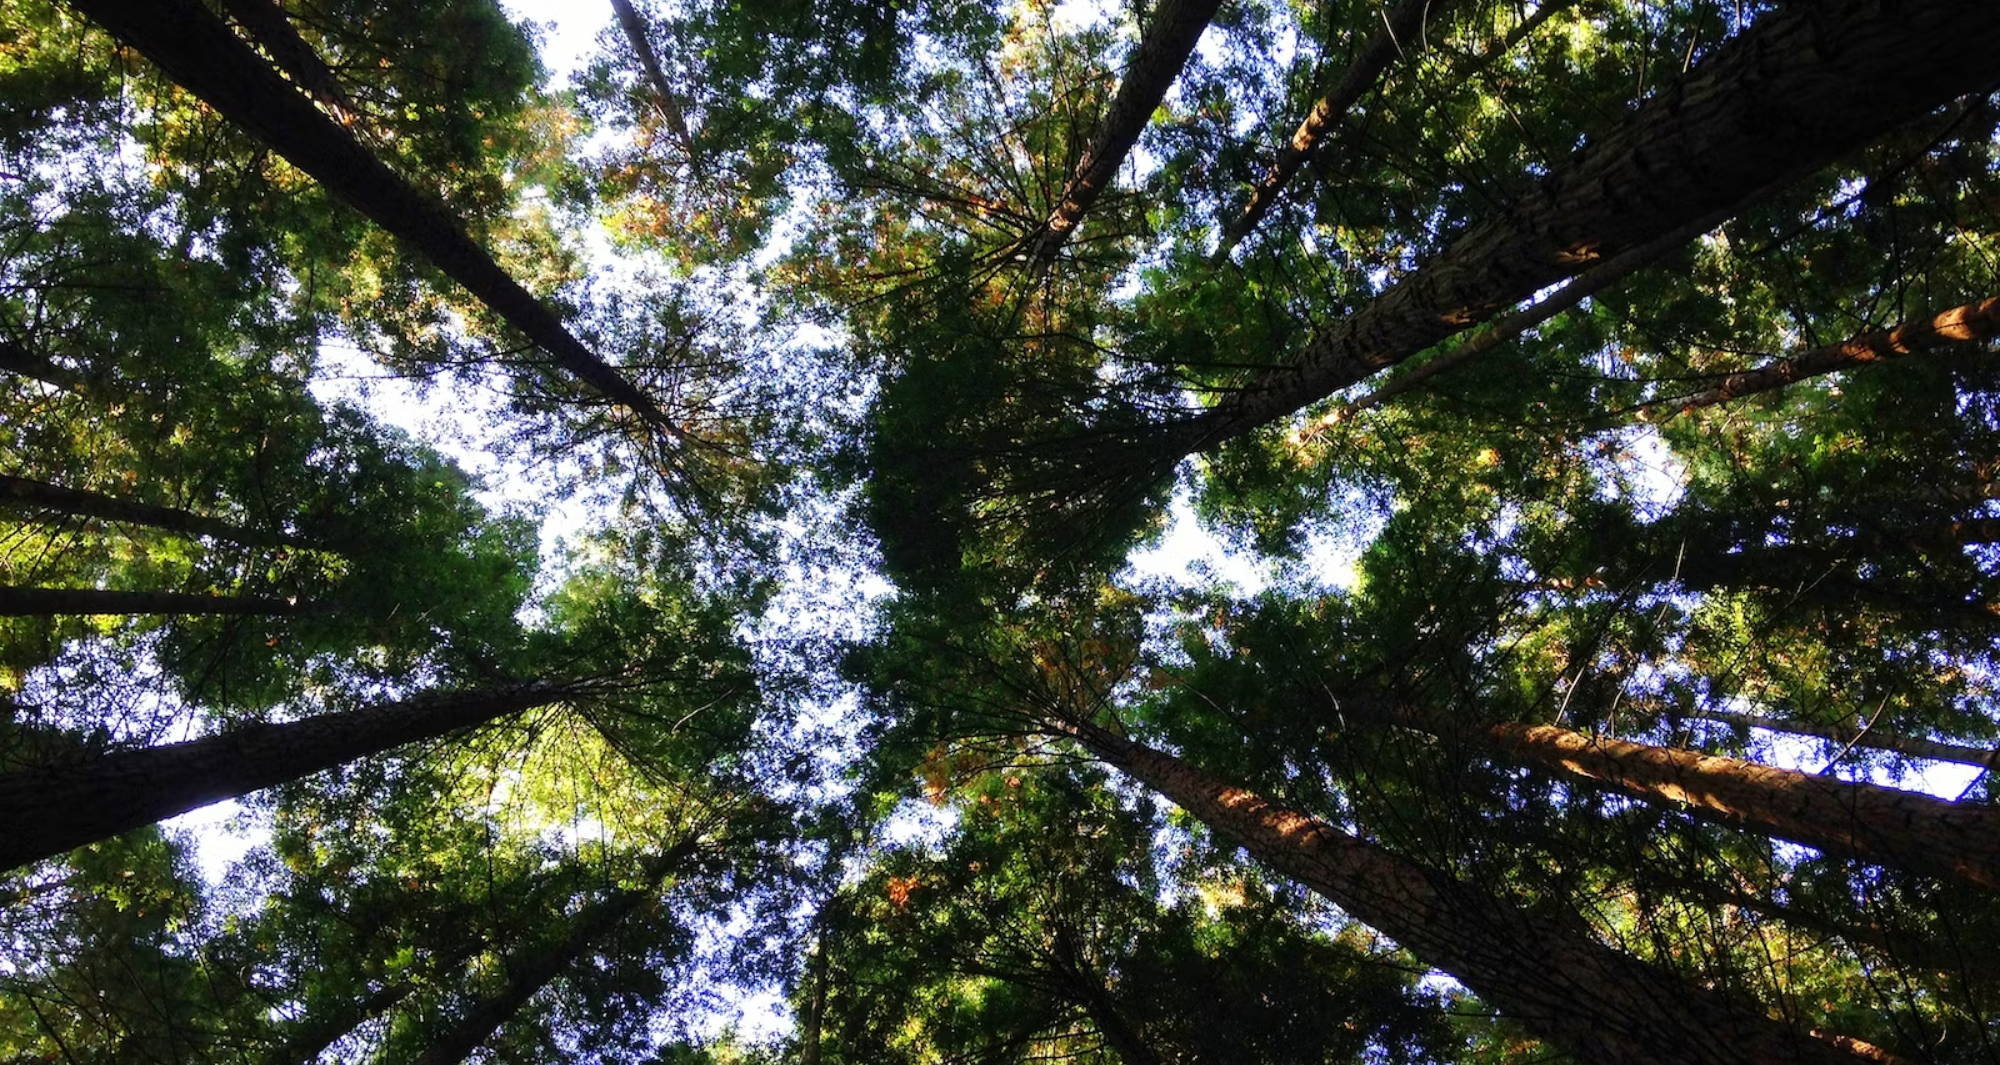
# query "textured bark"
(1972, 322)
(1886, 826)
(1552, 977)
(49, 811)
(197, 50)
(530, 970)
(1398, 35)
(18, 602)
(22, 492)
(1164, 49)
(267, 24)
(634, 27)
(1804, 85)
(16, 359)
(1872, 739)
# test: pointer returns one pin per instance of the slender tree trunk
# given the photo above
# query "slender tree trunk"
(311, 1036)
(1553, 977)
(1885, 826)
(1398, 35)
(1087, 988)
(197, 50)
(272, 30)
(1164, 49)
(49, 811)
(1898, 947)
(530, 970)
(18, 360)
(1870, 738)
(20, 491)
(1972, 322)
(634, 27)
(18, 602)
(1804, 85)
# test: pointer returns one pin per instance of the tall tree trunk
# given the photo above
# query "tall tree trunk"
(16, 602)
(1915, 747)
(197, 50)
(269, 26)
(1164, 49)
(1804, 85)
(634, 27)
(530, 970)
(1970, 322)
(20, 491)
(51, 810)
(1086, 988)
(16, 359)
(1398, 35)
(1553, 977)
(1886, 826)
(312, 1035)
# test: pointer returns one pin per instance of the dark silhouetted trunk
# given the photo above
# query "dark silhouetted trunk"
(634, 27)
(529, 970)
(1869, 738)
(1804, 85)
(1398, 36)
(89, 602)
(196, 49)
(16, 359)
(22, 492)
(312, 1035)
(1552, 976)
(1163, 50)
(1972, 322)
(49, 811)
(267, 24)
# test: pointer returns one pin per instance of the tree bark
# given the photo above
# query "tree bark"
(272, 30)
(1399, 29)
(16, 359)
(197, 50)
(311, 1036)
(529, 970)
(1164, 49)
(1872, 739)
(1804, 85)
(20, 491)
(1886, 826)
(1551, 976)
(1970, 322)
(634, 27)
(51, 810)
(16, 602)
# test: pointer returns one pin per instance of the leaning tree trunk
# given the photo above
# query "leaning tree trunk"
(1553, 977)
(17, 602)
(1164, 49)
(528, 971)
(20, 491)
(311, 1036)
(1914, 746)
(634, 27)
(1806, 84)
(18, 360)
(272, 29)
(1886, 826)
(197, 50)
(1978, 321)
(54, 809)
(1398, 36)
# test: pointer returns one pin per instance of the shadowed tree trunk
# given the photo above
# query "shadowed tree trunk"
(531, 969)
(634, 27)
(1875, 740)
(1164, 49)
(197, 50)
(1553, 977)
(22, 492)
(1804, 85)
(89, 602)
(1970, 322)
(272, 30)
(1398, 35)
(51, 810)
(16, 359)
(312, 1035)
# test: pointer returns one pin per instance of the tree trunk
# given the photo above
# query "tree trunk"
(1971, 322)
(20, 491)
(18, 602)
(1804, 85)
(1164, 49)
(1552, 977)
(51, 810)
(16, 359)
(1399, 34)
(1872, 739)
(198, 51)
(1882, 825)
(634, 27)
(530, 970)
(267, 24)
(312, 1035)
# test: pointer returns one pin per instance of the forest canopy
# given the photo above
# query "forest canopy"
(989, 532)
